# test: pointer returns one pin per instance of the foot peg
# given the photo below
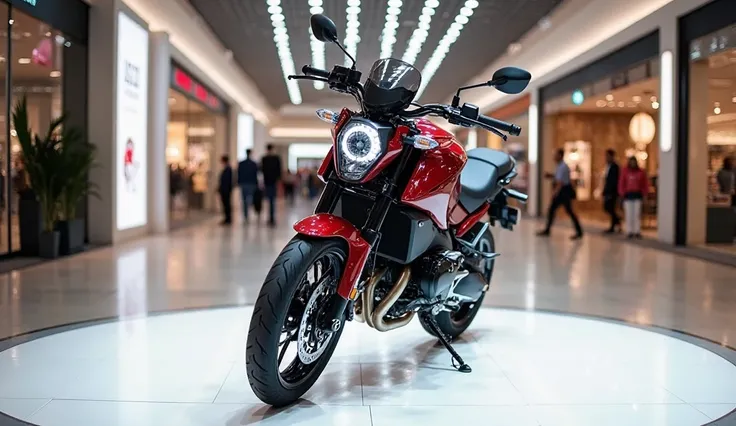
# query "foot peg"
(457, 360)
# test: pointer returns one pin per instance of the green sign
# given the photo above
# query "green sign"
(31, 2)
(577, 97)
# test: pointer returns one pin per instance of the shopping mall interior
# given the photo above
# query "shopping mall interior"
(198, 229)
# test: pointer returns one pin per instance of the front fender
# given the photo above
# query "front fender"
(325, 225)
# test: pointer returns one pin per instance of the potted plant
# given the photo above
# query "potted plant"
(77, 160)
(42, 159)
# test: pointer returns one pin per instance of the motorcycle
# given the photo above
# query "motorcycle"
(397, 233)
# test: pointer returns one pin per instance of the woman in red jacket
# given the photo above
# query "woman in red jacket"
(633, 186)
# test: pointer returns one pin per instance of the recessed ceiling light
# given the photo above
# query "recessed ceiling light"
(636, 98)
(655, 105)
(653, 98)
(514, 48)
(609, 97)
(717, 110)
(24, 61)
(621, 104)
(600, 103)
(26, 34)
(388, 35)
(352, 32)
(733, 100)
(55, 74)
(48, 34)
(283, 49)
(2, 58)
(611, 104)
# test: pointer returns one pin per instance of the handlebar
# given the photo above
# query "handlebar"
(500, 125)
(315, 72)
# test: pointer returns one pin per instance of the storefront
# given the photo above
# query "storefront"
(43, 57)
(610, 104)
(196, 139)
(707, 128)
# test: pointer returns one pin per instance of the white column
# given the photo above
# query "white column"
(158, 113)
(102, 74)
(533, 154)
(667, 174)
(260, 140)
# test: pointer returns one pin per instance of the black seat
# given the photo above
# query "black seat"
(480, 176)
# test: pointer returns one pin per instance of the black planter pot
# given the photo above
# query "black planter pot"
(48, 244)
(30, 223)
(71, 236)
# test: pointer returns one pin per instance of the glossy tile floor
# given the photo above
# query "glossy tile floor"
(206, 266)
(528, 369)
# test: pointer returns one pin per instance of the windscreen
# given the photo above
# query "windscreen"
(391, 85)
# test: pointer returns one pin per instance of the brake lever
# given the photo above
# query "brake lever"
(490, 129)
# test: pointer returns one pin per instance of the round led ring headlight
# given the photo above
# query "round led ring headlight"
(359, 147)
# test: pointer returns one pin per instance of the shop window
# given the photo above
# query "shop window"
(618, 112)
(712, 125)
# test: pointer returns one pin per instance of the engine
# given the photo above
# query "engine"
(437, 272)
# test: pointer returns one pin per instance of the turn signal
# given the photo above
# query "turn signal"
(328, 116)
(353, 293)
(423, 142)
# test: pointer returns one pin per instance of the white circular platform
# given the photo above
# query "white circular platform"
(528, 369)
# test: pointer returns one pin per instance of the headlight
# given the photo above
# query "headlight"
(359, 146)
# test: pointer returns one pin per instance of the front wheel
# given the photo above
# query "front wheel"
(453, 324)
(286, 351)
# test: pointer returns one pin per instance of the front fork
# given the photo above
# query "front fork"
(371, 231)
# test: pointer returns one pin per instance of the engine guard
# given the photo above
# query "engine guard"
(325, 225)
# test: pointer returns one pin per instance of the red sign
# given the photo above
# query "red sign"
(186, 83)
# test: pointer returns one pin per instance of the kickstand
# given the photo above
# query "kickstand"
(457, 360)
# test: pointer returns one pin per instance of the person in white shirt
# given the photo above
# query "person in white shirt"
(564, 193)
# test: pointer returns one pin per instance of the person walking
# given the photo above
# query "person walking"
(247, 181)
(564, 194)
(610, 191)
(633, 186)
(225, 189)
(726, 178)
(271, 170)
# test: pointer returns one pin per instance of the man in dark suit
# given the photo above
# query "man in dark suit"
(610, 191)
(248, 181)
(271, 169)
(225, 189)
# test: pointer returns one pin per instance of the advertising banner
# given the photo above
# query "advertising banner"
(132, 124)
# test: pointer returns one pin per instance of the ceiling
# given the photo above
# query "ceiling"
(244, 27)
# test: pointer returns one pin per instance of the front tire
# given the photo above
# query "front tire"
(453, 324)
(285, 313)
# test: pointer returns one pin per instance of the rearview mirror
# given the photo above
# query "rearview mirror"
(323, 28)
(510, 80)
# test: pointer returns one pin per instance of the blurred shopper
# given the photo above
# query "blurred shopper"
(271, 169)
(610, 191)
(564, 194)
(726, 178)
(247, 181)
(225, 188)
(633, 187)
(289, 186)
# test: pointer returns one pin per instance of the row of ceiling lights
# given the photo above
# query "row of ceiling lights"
(635, 101)
(452, 34)
(419, 36)
(388, 35)
(318, 48)
(281, 38)
(352, 36)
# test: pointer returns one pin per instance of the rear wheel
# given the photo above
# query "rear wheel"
(286, 351)
(453, 324)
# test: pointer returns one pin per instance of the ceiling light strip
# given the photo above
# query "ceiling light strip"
(281, 38)
(388, 36)
(318, 48)
(352, 37)
(452, 34)
(419, 36)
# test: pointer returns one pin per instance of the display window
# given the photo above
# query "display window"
(616, 112)
(197, 137)
(712, 107)
(32, 61)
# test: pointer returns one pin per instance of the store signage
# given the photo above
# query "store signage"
(578, 97)
(132, 124)
(31, 2)
(183, 81)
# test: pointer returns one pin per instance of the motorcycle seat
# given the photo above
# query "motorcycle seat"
(479, 178)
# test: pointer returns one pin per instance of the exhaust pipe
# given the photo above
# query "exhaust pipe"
(365, 311)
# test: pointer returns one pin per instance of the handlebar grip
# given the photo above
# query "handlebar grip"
(500, 125)
(315, 72)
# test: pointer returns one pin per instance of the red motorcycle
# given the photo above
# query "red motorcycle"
(398, 231)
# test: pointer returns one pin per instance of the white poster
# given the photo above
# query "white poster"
(132, 123)
(245, 134)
